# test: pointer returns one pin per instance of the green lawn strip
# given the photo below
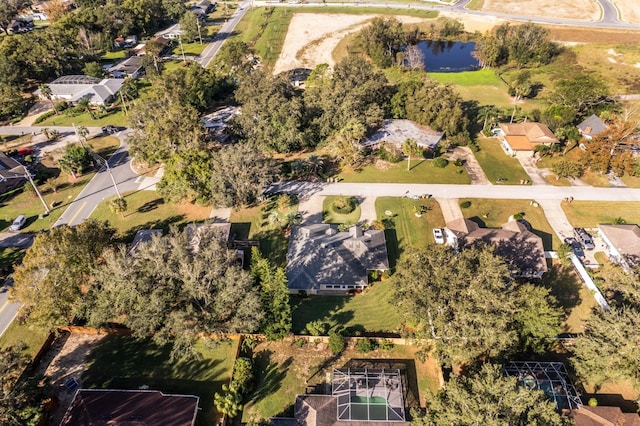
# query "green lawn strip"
(574, 297)
(116, 117)
(475, 5)
(119, 362)
(194, 49)
(25, 336)
(284, 370)
(254, 223)
(497, 164)
(388, 11)
(114, 56)
(483, 77)
(588, 214)
(329, 215)
(9, 257)
(631, 181)
(589, 177)
(403, 229)
(492, 213)
(146, 210)
(421, 172)
(370, 311)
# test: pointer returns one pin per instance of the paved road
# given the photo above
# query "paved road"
(524, 192)
(101, 186)
(227, 29)
(8, 310)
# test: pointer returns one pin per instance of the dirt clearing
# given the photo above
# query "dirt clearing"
(629, 10)
(588, 9)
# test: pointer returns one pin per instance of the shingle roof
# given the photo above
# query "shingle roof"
(592, 126)
(525, 136)
(626, 240)
(76, 87)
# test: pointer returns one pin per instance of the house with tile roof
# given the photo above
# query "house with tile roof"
(524, 137)
(623, 244)
(603, 416)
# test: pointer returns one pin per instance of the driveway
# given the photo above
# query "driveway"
(311, 209)
(528, 164)
(450, 209)
(368, 209)
(16, 240)
(471, 165)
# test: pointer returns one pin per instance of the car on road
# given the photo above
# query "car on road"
(575, 246)
(18, 223)
(438, 235)
(110, 130)
(23, 152)
(584, 238)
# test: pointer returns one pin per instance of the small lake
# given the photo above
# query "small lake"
(448, 56)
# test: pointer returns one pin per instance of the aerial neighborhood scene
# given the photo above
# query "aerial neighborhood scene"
(319, 212)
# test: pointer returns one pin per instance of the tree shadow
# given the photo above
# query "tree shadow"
(564, 285)
(150, 205)
(240, 230)
(317, 308)
(270, 374)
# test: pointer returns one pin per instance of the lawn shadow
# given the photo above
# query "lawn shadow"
(270, 374)
(317, 308)
(547, 238)
(163, 224)
(393, 247)
(275, 243)
(150, 205)
(240, 230)
(481, 223)
(564, 286)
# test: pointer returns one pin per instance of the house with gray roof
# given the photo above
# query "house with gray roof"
(130, 67)
(12, 173)
(143, 236)
(72, 88)
(623, 244)
(398, 131)
(323, 260)
(592, 127)
(522, 249)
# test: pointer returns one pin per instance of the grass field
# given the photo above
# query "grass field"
(116, 117)
(253, 223)
(497, 164)
(284, 370)
(370, 311)
(493, 213)
(421, 172)
(119, 362)
(588, 214)
(146, 210)
(631, 181)
(329, 215)
(114, 56)
(27, 337)
(264, 29)
(194, 49)
(403, 229)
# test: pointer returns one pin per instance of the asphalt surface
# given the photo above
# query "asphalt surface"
(8, 310)
(226, 30)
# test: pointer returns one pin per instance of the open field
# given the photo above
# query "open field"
(146, 210)
(421, 172)
(493, 213)
(21, 335)
(588, 214)
(497, 164)
(589, 10)
(629, 10)
(285, 369)
(118, 362)
(403, 230)
(371, 311)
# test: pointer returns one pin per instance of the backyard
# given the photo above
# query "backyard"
(421, 172)
(147, 210)
(588, 214)
(496, 164)
(285, 369)
(493, 213)
(119, 362)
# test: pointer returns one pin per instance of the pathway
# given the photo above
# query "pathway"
(368, 209)
(529, 165)
(471, 165)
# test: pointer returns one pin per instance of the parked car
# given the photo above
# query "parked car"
(575, 246)
(110, 130)
(584, 238)
(438, 235)
(25, 151)
(18, 223)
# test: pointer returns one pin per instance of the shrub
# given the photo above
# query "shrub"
(316, 328)
(465, 204)
(518, 216)
(458, 162)
(440, 162)
(61, 106)
(336, 342)
(344, 204)
(385, 345)
(300, 343)
(243, 374)
(390, 152)
(593, 402)
(44, 116)
(365, 345)
(283, 201)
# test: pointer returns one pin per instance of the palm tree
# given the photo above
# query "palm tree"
(315, 163)
(48, 93)
(118, 205)
(82, 133)
(410, 147)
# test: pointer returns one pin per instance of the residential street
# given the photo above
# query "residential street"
(8, 310)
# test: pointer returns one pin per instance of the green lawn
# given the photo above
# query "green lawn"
(330, 215)
(421, 172)
(589, 177)
(113, 56)
(254, 223)
(403, 229)
(497, 164)
(492, 213)
(482, 77)
(588, 214)
(27, 337)
(116, 118)
(370, 311)
(119, 362)
(194, 49)
(146, 210)
(631, 181)
(8, 258)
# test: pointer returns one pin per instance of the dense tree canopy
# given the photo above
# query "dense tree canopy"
(187, 176)
(524, 45)
(585, 94)
(470, 304)
(274, 294)
(8, 10)
(382, 39)
(487, 397)
(55, 274)
(173, 290)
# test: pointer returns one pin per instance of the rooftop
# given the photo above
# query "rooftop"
(592, 126)
(625, 240)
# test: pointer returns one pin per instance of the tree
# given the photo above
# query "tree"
(537, 318)
(490, 398)
(187, 176)
(233, 57)
(345, 144)
(229, 401)
(243, 375)
(608, 349)
(382, 39)
(410, 147)
(75, 160)
(20, 398)
(55, 275)
(240, 174)
(565, 168)
(94, 69)
(82, 132)
(45, 90)
(8, 10)
(12, 102)
(336, 342)
(585, 94)
(189, 26)
(414, 58)
(525, 45)
(274, 294)
(176, 288)
(118, 205)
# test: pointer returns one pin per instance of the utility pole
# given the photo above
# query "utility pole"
(199, 32)
(124, 105)
(99, 158)
(46, 207)
(184, 59)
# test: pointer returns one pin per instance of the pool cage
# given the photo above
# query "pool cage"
(550, 377)
(369, 394)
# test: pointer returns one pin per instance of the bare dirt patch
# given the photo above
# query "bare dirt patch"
(629, 10)
(592, 35)
(567, 9)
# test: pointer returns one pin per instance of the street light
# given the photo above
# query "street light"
(27, 175)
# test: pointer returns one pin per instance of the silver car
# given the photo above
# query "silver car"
(18, 223)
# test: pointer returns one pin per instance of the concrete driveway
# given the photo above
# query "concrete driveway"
(529, 165)
(471, 165)
(16, 240)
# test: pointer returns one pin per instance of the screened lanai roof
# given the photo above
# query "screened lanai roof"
(550, 377)
(76, 79)
(369, 394)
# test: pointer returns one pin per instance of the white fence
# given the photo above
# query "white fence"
(589, 282)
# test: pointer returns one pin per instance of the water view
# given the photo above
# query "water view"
(448, 56)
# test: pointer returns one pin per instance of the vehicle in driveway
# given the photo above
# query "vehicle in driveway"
(438, 235)
(18, 223)
(575, 246)
(584, 238)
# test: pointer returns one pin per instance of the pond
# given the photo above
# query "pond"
(448, 56)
